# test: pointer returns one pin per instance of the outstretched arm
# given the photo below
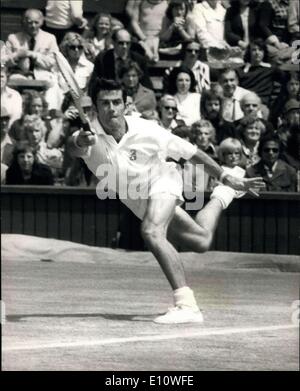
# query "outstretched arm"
(215, 170)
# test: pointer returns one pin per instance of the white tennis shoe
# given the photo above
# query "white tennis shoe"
(177, 315)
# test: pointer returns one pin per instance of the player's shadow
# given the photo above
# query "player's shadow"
(116, 317)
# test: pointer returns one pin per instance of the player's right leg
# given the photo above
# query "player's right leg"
(159, 213)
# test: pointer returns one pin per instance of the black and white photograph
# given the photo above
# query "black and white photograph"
(150, 188)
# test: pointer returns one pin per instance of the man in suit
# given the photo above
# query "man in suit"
(31, 54)
(30, 50)
(108, 63)
(276, 173)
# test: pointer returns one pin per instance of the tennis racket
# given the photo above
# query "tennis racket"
(75, 91)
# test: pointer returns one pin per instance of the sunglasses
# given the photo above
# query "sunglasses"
(76, 47)
(192, 50)
(271, 150)
(170, 108)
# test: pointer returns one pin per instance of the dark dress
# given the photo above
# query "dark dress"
(41, 175)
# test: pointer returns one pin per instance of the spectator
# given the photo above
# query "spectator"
(292, 152)
(211, 109)
(177, 27)
(240, 23)
(190, 59)
(31, 55)
(108, 63)
(258, 75)
(233, 94)
(35, 103)
(273, 26)
(64, 16)
(72, 47)
(142, 99)
(209, 17)
(291, 119)
(7, 145)
(35, 129)
(276, 173)
(251, 130)
(146, 19)
(25, 169)
(289, 90)
(182, 85)
(167, 110)
(10, 98)
(230, 154)
(98, 37)
(203, 135)
(230, 158)
(293, 20)
(251, 105)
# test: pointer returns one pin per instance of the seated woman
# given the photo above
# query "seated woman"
(26, 170)
(251, 130)
(98, 36)
(35, 103)
(276, 173)
(72, 47)
(177, 27)
(139, 98)
(182, 85)
(190, 59)
(146, 17)
(167, 111)
(258, 75)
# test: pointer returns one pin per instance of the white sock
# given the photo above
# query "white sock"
(184, 297)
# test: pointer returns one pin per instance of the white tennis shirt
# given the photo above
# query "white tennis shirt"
(137, 164)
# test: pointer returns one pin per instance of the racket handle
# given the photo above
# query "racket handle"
(86, 127)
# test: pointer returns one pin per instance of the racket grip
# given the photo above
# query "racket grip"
(86, 127)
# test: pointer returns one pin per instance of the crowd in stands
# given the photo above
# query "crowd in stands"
(230, 85)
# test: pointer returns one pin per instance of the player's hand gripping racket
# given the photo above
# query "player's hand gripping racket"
(75, 91)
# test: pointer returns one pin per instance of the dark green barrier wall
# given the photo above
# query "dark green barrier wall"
(269, 224)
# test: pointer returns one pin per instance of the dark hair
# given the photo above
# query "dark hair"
(105, 85)
(184, 46)
(256, 42)
(173, 4)
(127, 67)
(182, 131)
(269, 137)
(22, 148)
(172, 88)
(209, 95)
(227, 70)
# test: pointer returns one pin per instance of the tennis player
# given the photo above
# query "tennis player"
(137, 149)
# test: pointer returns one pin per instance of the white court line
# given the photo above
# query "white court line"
(150, 338)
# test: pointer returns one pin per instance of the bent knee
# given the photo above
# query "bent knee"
(203, 242)
(152, 233)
